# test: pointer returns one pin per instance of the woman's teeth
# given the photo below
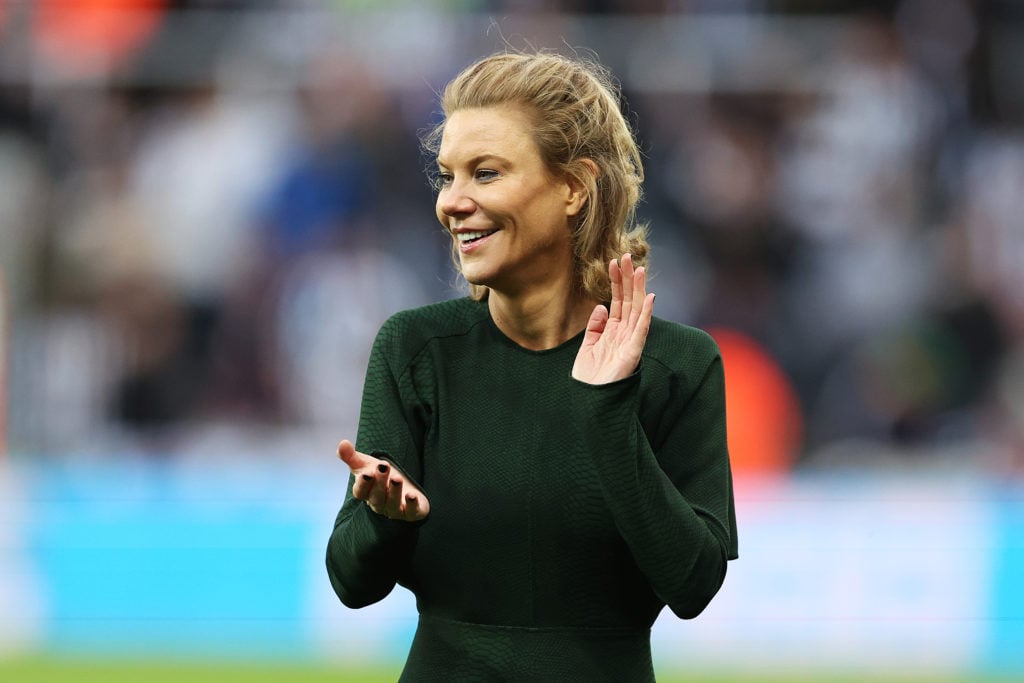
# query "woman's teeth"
(470, 236)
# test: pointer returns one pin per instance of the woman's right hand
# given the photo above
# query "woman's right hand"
(382, 486)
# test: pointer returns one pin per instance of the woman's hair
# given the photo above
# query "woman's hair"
(576, 116)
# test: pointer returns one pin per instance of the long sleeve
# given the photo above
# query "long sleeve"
(364, 553)
(367, 553)
(671, 501)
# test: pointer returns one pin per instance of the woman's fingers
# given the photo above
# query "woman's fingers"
(629, 291)
(595, 325)
(615, 276)
(379, 491)
(643, 323)
(362, 485)
(361, 466)
(627, 285)
(350, 456)
(639, 286)
(416, 506)
(394, 507)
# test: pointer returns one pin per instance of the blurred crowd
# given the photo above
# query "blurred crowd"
(208, 208)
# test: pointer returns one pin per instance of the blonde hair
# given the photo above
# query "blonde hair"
(576, 117)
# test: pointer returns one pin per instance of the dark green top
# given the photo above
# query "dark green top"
(563, 516)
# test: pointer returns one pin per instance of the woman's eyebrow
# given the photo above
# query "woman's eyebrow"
(486, 156)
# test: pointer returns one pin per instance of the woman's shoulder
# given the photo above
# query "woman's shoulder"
(680, 347)
(414, 327)
(444, 317)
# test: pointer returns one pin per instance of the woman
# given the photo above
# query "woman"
(543, 463)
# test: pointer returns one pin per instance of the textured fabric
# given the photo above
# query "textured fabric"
(564, 516)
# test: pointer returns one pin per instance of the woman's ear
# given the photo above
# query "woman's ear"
(579, 191)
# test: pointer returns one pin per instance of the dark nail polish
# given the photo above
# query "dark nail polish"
(382, 468)
(392, 483)
(367, 477)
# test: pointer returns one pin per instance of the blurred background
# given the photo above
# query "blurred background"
(207, 208)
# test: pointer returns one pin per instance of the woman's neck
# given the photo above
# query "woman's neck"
(540, 320)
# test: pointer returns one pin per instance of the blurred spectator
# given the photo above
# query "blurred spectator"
(723, 180)
(104, 260)
(23, 188)
(191, 186)
(326, 265)
(854, 173)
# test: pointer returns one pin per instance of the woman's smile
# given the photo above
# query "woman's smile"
(472, 239)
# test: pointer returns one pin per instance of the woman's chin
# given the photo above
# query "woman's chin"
(477, 276)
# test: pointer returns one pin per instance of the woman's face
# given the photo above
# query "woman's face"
(509, 216)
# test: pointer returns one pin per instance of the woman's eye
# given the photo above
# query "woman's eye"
(442, 179)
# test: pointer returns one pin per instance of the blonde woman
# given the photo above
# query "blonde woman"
(542, 463)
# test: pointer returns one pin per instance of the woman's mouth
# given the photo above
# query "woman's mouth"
(470, 237)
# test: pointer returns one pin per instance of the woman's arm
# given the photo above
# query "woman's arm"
(673, 507)
(365, 552)
(368, 550)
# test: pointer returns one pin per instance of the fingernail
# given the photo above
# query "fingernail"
(382, 468)
(410, 497)
(392, 483)
(367, 477)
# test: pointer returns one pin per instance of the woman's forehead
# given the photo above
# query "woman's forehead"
(472, 132)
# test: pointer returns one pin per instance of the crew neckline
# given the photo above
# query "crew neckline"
(570, 343)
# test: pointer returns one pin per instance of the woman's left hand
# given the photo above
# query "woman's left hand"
(615, 336)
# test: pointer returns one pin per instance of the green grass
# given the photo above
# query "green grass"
(60, 670)
(39, 670)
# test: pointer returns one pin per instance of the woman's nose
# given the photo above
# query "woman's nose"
(453, 200)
